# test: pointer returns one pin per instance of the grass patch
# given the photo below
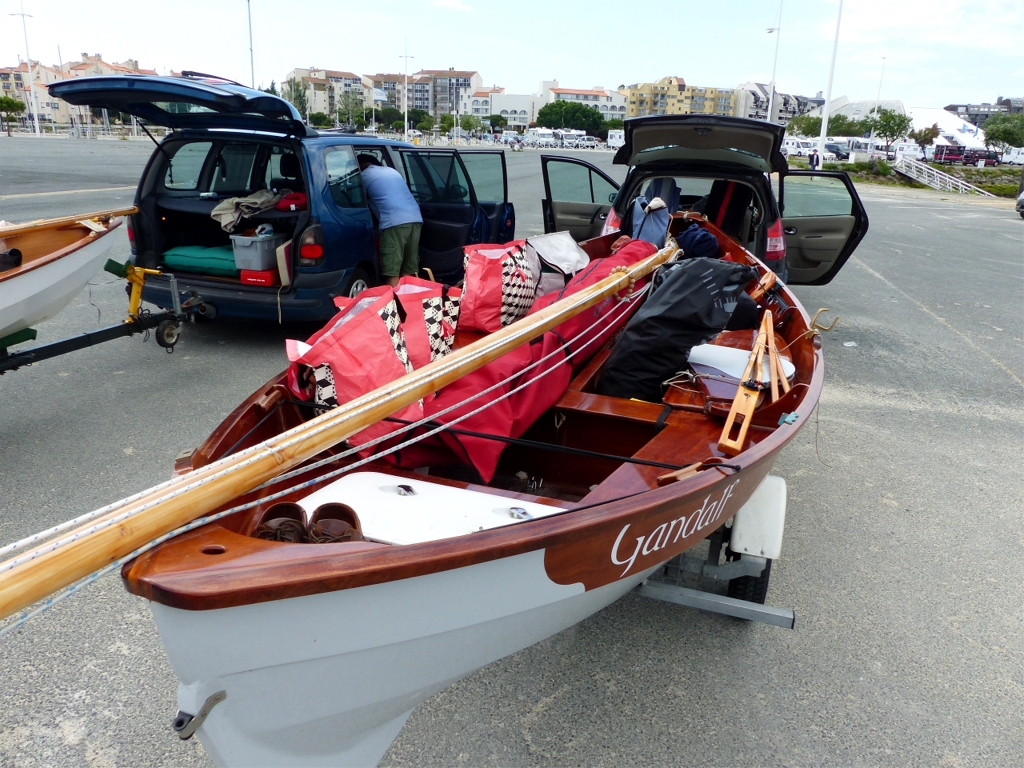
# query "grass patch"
(1000, 190)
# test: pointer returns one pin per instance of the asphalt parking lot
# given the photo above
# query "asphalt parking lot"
(903, 559)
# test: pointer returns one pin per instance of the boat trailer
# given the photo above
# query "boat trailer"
(751, 543)
(167, 324)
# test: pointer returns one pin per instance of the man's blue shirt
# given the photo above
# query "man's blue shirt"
(389, 197)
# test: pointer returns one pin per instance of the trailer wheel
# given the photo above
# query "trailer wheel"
(753, 589)
(167, 333)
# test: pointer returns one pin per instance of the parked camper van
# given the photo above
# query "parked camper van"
(616, 138)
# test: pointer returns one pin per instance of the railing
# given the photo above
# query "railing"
(935, 179)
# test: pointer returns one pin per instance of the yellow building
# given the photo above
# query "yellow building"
(672, 96)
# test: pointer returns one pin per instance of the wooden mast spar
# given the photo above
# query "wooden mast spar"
(197, 493)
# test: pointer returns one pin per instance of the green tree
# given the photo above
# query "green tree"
(10, 107)
(447, 123)
(497, 121)
(804, 125)
(889, 125)
(389, 115)
(295, 91)
(320, 120)
(925, 137)
(470, 123)
(426, 124)
(398, 125)
(272, 90)
(417, 116)
(1005, 130)
(838, 125)
(567, 114)
(350, 106)
(608, 125)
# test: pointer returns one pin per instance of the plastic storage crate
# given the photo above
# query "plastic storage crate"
(256, 253)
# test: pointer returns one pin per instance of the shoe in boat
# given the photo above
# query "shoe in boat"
(282, 522)
(334, 522)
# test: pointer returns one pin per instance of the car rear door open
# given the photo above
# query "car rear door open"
(823, 221)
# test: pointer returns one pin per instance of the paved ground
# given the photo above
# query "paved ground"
(904, 555)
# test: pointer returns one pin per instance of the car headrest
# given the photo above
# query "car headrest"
(290, 166)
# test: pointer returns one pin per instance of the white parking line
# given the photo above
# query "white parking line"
(65, 192)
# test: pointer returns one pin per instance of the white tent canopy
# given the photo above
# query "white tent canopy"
(953, 129)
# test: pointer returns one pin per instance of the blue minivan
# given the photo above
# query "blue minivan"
(229, 141)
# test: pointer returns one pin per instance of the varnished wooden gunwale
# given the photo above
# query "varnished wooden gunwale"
(250, 571)
(87, 237)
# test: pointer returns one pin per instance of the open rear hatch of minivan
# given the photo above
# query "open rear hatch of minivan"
(229, 141)
(703, 141)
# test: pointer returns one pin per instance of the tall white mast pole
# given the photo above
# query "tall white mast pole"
(777, 29)
(828, 93)
(28, 58)
(252, 67)
(405, 91)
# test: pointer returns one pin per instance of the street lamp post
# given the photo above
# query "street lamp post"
(405, 91)
(777, 30)
(28, 58)
(828, 92)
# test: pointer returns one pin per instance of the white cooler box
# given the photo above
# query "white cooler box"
(256, 253)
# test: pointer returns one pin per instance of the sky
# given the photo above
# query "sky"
(935, 53)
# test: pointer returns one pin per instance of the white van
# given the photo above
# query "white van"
(798, 147)
(616, 138)
(1013, 156)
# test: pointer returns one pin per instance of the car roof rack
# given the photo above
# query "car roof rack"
(191, 74)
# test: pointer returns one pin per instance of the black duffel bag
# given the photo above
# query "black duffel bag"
(694, 302)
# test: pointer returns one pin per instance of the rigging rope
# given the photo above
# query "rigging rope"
(73, 589)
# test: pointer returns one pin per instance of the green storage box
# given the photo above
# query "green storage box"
(219, 260)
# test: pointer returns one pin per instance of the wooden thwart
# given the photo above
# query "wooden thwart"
(197, 493)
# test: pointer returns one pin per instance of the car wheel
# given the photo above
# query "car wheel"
(358, 283)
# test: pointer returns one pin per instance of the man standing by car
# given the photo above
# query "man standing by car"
(812, 160)
(398, 215)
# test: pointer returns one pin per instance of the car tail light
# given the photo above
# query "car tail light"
(776, 242)
(311, 246)
(131, 234)
(613, 223)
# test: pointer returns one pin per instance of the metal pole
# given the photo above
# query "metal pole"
(828, 93)
(777, 29)
(252, 67)
(405, 91)
(878, 98)
(28, 57)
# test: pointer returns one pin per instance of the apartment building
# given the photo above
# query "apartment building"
(448, 89)
(611, 104)
(672, 96)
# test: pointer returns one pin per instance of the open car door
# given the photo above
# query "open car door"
(823, 221)
(441, 186)
(463, 198)
(577, 197)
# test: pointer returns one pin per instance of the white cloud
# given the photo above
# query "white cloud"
(454, 5)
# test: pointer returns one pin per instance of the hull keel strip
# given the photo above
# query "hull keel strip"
(613, 316)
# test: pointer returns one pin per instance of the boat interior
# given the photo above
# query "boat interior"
(27, 247)
(587, 449)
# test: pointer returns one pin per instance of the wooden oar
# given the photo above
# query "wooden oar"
(197, 493)
(41, 224)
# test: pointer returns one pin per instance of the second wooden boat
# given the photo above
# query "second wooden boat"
(57, 258)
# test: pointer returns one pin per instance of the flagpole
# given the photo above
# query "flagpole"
(828, 93)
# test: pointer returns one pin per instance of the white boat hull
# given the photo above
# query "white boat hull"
(329, 679)
(41, 293)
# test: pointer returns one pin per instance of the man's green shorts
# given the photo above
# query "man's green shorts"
(400, 250)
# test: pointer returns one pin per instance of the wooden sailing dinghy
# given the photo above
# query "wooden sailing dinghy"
(316, 654)
(57, 258)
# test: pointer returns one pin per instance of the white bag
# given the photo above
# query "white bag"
(561, 256)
